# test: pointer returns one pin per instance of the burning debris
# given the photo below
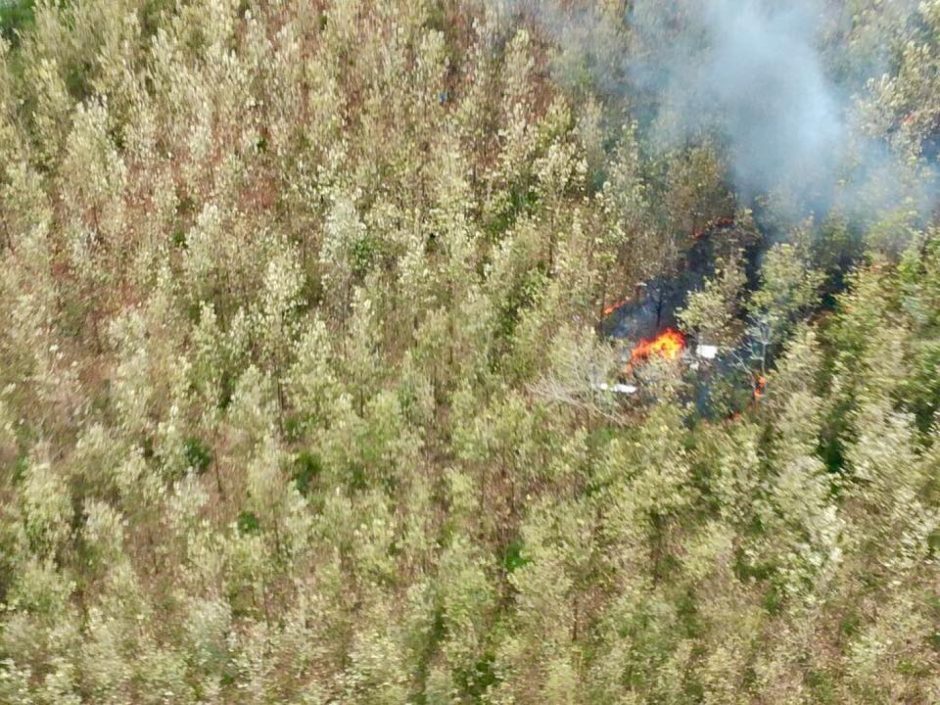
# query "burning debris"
(639, 296)
(647, 322)
(647, 326)
(610, 308)
(760, 387)
(668, 345)
(647, 313)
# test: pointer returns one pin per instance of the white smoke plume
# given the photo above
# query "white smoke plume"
(758, 80)
(751, 74)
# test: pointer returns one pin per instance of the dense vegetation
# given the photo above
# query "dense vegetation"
(301, 305)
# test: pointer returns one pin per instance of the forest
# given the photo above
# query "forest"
(458, 352)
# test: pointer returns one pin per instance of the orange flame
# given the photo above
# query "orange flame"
(668, 345)
(760, 385)
(610, 308)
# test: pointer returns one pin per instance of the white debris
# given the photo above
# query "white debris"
(615, 388)
(624, 389)
(709, 352)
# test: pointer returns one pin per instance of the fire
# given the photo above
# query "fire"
(668, 345)
(610, 308)
(760, 385)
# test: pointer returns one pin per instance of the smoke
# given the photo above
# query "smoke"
(754, 76)
(750, 74)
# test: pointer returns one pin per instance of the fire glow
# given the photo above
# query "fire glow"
(760, 386)
(610, 308)
(668, 345)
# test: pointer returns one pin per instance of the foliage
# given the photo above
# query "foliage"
(299, 393)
